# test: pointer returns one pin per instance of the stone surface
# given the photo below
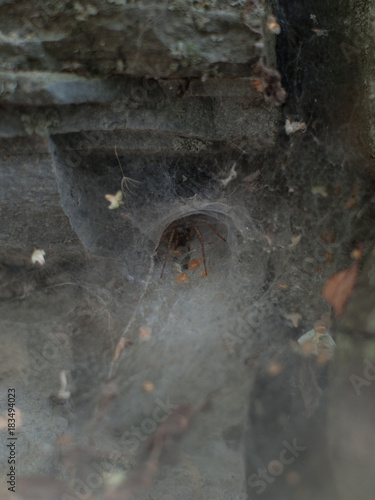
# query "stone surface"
(31, 210)
(358, 47)
(169, 87)
(148, 38)
(98, 75)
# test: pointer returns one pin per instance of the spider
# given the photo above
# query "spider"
(181, 231)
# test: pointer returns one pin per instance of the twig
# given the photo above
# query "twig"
(126, 181)
(124, 340)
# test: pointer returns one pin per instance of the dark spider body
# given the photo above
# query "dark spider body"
(181, 231)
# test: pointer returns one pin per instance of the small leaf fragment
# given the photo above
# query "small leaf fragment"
(295, 240)
(145, 333)
(294, 318)
(322, 190)
(123, 342)
(353, 200)
(148, 386)
(37, 257)
(328, 237)
(293, 127)
(115, 200)
(194, 264)
(181, 278)
(282, 286)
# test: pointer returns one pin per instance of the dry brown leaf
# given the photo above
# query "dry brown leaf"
(328, 237)
(320, 329)
(356, 253)
(148, 386)
(268, 81)
(258, 84)
(295, 240)
(339, 287)
(273, 26)
(268, 239)
(282, 286)
(181, 278)
(274, 369)
(145, 333)
(194, 264)
(294, 318)
(123, 342)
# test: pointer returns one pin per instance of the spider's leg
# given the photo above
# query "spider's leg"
(160, 242)
(168, 248)
(211, 226)
(202, 245)
(166, 231)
